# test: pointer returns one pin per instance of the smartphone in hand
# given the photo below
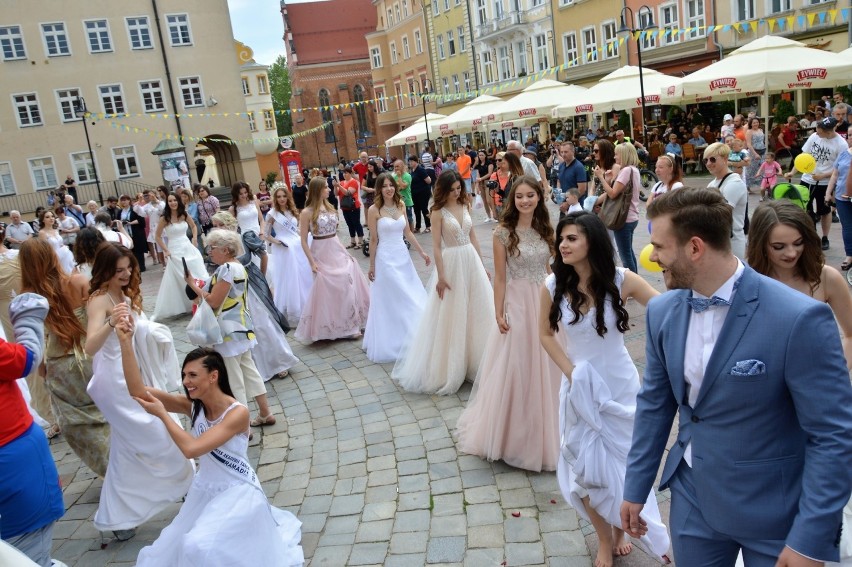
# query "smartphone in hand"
(185, 267)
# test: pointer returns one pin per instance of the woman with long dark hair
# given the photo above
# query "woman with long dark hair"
(246, 209)
(627, 180)
(226, 489)
(449, 339)
(603, 156)
(511, 414)
(174, 223)
(88, 241)
(584, 298)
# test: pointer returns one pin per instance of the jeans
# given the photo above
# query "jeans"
(421, 208)
(35, 544)
(409, 214)
(844, 211)
(353, 221)
(624, 243)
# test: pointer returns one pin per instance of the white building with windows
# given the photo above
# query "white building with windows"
(137, 60)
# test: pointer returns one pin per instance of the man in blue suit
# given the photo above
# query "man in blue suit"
(763, 457)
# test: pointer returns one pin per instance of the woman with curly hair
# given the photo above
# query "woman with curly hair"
(511, 414)
(586, 294)
(449, 340)
(87, 243)
(146, 472)
(66, 368)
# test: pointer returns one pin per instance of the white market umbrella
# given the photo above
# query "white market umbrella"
(417, 131)
(770, 63)
(533, 103)
(847, 53)
(620, 90)
(469, 117)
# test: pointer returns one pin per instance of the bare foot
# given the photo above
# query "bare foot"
(604, 558)
(620, 544)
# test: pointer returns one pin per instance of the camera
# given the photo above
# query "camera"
(491, 185)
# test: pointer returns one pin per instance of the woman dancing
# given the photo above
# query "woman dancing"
(597, 401)
(246, 210)
(49, 232)
(449, 340)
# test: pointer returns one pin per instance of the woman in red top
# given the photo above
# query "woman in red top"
(349, 195)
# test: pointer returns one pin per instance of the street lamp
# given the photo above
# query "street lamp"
(643, 27)
(80, 111)
(426, 88)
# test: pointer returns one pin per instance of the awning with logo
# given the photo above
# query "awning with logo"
(533, 103)
(620, 90)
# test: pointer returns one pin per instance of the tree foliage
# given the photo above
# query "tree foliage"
(279, 85)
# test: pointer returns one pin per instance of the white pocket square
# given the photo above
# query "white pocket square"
(749, 367)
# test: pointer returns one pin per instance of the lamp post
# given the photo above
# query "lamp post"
(80, 111)
(643, 27)
(426, 88)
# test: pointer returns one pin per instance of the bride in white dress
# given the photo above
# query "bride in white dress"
(226, 519)
(597, 401)
(146, 472)
(48, 231)
(171, 298)
(397, 296)
(450, 338)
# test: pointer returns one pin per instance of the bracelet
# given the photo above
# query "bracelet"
(109, 322)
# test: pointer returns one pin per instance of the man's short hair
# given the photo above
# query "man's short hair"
(103, 218)
(702, 213)
(14, 212)
(112, 199)
(842, 106)
(566, 143)
(413, 157)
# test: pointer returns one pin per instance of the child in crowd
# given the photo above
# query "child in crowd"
(738, 159)
(573, 200)
(768, 173)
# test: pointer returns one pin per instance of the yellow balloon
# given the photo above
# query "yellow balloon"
(645, 259)
(805, 163)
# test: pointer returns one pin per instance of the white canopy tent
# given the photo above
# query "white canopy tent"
(533, 103)
(620, 90)
(469, 117)
(417, 131)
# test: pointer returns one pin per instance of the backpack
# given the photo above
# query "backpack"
(798, 194)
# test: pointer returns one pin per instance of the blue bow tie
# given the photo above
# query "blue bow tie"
(701, 304)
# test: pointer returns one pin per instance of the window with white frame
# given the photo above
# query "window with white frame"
(487, 67)
(418, 42)
(27, 109)
(451, 42)
(815, 2)
(268, 119)
(406, 50)
(262, 84)
(190, 90)
(498, 9)
(743, 10)
(541, 58)
(252, 124)
(436, 7)
(55, 39)
(7, 181)
(669, 24)
(481, 12)
(503, 62)
(12, 43)
(97, 32)
(139, 32)
(590, 45)
(446, 5)
(390, 17)
(381, 101)
(125, 161)
(446, 84)
(519, 52)
(396, 11)
(441, 51)
(412, 94)
(462, 39)
(404, 8)
(179, 33)
(246, 86)
(466, 79)
(67, 98)
(82, 166)
(566, 2)
(537, 3)
(694, 18)
(112, 99)
(776, 6)
(648, 38)
(400, 101)
(152, 96)
(43, 173)
(569, 47)
(394, 54)
(609, 35)
(376, 57)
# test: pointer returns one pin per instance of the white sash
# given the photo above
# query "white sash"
(236, 465)
(285, 222)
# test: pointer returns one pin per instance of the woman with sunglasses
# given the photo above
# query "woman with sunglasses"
(508, 166)
(734, 190)
(669, 174)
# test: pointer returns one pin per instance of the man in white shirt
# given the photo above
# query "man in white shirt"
(762, 461)
(17, 231)
(103, 222)
(530, 167)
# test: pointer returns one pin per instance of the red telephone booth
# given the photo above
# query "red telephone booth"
(290, 162)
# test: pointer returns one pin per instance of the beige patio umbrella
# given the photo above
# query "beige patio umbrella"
(469, 117)
(533, 104)
(620, 90)
(417, 131)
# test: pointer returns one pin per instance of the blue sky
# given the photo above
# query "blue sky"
(258, 24)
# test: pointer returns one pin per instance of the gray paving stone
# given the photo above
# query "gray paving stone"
(481, 494)
(414, 501)
(522, 530)
(374, 531)
(379, 511)
(346, 505)
(418, 466)
(448, 526)
(331, 555)
(515, 498)
(414, 483)
(524, 554)
(484, 514)
(342, 525)
(446, 485)
(406, 560)
(479, 557)
(565, 543)
(486, 537)
(447, 504)
(413, 521)
(445, 550)
(413, 542)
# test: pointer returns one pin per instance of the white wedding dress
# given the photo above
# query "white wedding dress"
(289, 272)
(226, 518)
(171, 298)
(146, 471)
(596, 413)
(66, 257)
(397, 296)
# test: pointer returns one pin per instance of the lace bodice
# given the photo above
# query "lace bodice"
(533, 255)
(326, 223)
(452, 233)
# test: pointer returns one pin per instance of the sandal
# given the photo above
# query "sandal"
(844, 267)
(351, 246)
(358, 246)
(428, 230)
(53, 431)
(282, 375)
(261, 421)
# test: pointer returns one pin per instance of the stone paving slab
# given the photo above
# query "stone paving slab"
(372, 471)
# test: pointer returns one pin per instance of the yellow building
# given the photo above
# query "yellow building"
(254, 83)
(399, 62)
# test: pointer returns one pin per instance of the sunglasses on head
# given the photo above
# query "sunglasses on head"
(711, 159)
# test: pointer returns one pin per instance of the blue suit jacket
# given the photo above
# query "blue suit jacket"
(772, 451)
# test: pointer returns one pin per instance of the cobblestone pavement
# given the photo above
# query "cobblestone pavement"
(373, 472)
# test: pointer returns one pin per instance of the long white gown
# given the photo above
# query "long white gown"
(66, 257)
(596, 415)
(226, 519)
(171, 298)
(272, 354)
(397, 295)
(146, 471)
(289, 272)
(450, 338)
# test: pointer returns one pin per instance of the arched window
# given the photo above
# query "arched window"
(325, 112)
(360, 111)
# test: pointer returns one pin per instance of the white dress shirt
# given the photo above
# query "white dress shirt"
(701, 337)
